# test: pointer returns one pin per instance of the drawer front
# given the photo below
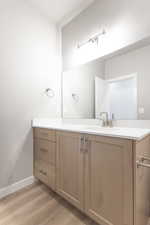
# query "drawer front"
(45, 151)
(45, 173)
(45, 134)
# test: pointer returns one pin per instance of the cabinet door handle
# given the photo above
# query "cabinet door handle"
(86, 145)
(82, 144)
(86, 139)
(145, 158)
(141, 163)
(82, 139)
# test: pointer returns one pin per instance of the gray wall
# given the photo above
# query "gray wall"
(28, 64)
(125, 21)
(137, 61)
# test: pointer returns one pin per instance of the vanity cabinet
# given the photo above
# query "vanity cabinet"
(45, 156)
(99, 175)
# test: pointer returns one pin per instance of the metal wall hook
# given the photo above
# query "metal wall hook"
(75, 97)
(50, 92)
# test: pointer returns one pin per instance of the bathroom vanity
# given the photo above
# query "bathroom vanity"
(102, 172)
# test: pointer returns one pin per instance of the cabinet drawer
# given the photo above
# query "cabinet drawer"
(45, 134)
(45, 173)
(45, 150)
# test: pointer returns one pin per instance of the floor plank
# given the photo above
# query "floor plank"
(37, 205)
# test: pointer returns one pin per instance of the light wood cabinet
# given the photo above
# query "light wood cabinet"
(99, 175)
(45, 151)
(108, 180)
(70, 167)
(45, 134)
(45, 172)
(45, 156)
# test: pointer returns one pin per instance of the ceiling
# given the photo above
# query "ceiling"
(61, 11)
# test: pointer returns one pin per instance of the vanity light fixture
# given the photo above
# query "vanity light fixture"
(93, 39)
(50, 92)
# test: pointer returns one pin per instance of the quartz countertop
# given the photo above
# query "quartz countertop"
(120, 132)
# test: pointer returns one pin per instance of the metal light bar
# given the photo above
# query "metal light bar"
(92, 39)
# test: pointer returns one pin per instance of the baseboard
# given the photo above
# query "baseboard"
(16, 186)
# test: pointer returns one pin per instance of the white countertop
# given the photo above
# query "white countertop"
(120, 132)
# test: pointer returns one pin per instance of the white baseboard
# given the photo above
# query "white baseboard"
(16, 186)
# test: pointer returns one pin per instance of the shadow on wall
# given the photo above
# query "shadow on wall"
(17, 160)
(22, 160)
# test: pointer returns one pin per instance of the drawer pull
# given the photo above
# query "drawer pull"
(86, 139)
(43, 150)
(43, 173)
(82, 139)
(86, 145)
(82, 144)
(141, 162)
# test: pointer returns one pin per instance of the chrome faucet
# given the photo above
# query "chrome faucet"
(106, 122)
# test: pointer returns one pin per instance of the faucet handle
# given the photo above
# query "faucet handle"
(105, 119)
(112, 117)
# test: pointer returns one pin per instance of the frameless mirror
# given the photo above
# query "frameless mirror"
(119, 85)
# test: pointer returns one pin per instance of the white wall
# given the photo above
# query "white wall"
(29, 63)
(136, 61)
(125, 21)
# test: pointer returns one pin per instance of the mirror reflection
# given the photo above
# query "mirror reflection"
(118, 85)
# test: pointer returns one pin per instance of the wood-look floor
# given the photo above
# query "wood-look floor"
(37, 205)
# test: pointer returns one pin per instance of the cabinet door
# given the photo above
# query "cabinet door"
(70, 167)
(108, 181)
